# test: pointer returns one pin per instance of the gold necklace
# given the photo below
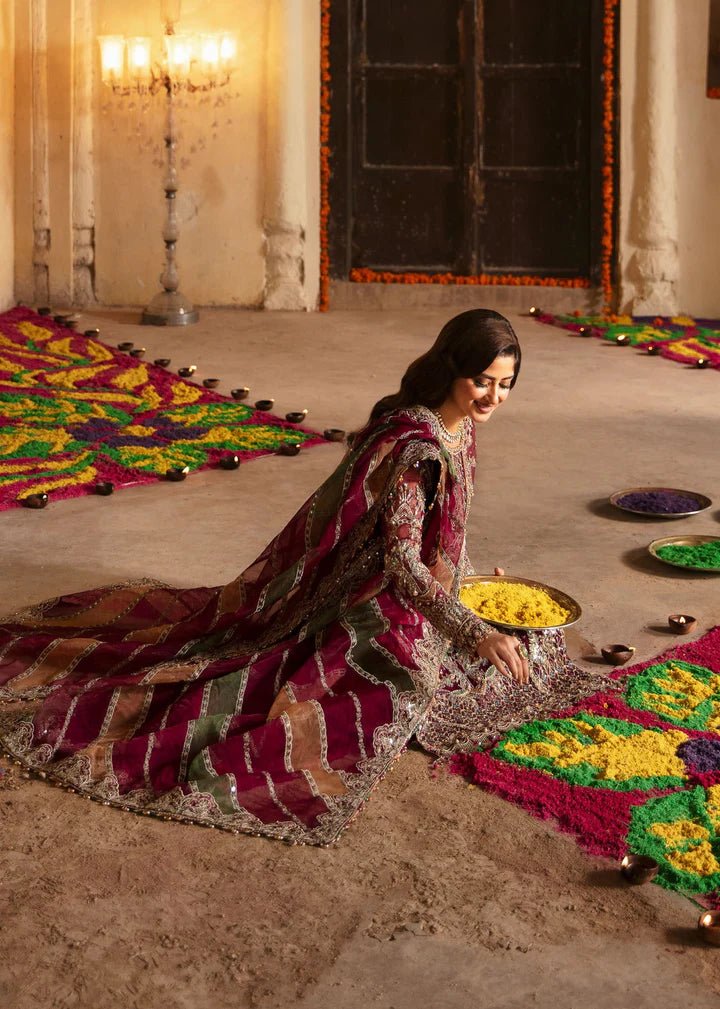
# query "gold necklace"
(452, 440)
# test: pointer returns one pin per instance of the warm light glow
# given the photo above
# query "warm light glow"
(210, 50)
(625, 862)
(138, 54)
(112, 57)
(707, 920)
(228, 49)
(179, 54)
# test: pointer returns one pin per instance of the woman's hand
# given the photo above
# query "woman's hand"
(504, 652)
(499, 572)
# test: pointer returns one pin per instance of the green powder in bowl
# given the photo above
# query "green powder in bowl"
(702, 555)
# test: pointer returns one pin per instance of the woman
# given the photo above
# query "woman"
(274, 704)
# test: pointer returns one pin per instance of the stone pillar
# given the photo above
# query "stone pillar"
(654, 267)
(285, 204)
(83, 199)
(39, 153)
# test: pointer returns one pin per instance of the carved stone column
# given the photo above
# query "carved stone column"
(285, 205)
(654, 266)
(40, 170)
(83, 197)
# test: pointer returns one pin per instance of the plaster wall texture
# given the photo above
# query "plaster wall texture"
(7, 89)
(222, 159)
(669, 211)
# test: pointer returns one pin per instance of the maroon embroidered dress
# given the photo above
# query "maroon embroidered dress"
(272, 705)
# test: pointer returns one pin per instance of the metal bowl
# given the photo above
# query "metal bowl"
(566, 601)
(703, 502)
(683, 541)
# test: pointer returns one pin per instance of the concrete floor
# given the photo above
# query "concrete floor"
(585, 419)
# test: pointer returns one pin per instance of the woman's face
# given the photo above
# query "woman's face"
(479, 397)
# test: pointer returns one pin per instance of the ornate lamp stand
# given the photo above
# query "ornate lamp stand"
(211, 57)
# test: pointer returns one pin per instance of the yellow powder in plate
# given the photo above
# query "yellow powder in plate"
(513, 603)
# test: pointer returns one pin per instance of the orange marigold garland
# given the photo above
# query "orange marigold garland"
(365, 275)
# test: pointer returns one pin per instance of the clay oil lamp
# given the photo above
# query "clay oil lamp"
(187, 371)
(535, 310)
(229, 461)
(709, 926)
(288, 448)
(104, 488)
(653, 349)
(618, 655)
(702, 362)
(92, 334)
(242, 392)
(334, 434)
(296, 416)
(622, 340)
(44, 310)
(137, 352)
(61, 318)
(264, 404)
(34, 501)
(126, 345)
(682, 623)
(638, 869)
(585, 331)
(177, 473)
(162, 362)
(211, 383)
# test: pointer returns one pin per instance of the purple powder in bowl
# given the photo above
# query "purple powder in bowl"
(659, 502)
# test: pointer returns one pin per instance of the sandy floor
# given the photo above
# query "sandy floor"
(439, 895)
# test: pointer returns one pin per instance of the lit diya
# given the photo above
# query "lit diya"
(229, 462)
(682, 623)
(652, 348)
(92, 333)
(296, 416)
(334, 434)
(177, 473)
(709, 926)
(242, 392)
(187, 371)
(137, 352)
(638, 869)
(702, 362)
(162, 362)
(622, 340)
(535, 310)
(34, 501)
(585, 331)
(288, 448)
(126, 345)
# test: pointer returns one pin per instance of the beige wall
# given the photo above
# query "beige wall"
(7, 213)
(696, 163)
(221, 166)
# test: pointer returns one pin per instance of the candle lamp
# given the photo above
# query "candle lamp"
(709, 926)
(702, 362)
(682, 623)
(638, 869)
(240, 393)
(618, 655)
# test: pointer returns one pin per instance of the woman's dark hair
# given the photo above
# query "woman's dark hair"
(465, 347)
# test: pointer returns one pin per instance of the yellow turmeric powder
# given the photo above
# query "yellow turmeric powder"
(513, 603)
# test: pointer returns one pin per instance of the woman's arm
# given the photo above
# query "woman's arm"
(402, 526)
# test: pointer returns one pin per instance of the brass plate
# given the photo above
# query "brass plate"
(683, 541)
(703, 502)
(566, 601)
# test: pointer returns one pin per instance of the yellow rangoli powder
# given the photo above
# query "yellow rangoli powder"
(513, 603)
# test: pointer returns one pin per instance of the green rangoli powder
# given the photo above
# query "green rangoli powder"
(704, 555)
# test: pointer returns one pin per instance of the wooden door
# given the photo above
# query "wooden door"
(466, 136)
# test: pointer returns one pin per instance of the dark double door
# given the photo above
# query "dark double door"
(466, 136)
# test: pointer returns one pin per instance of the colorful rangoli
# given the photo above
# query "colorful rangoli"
(637, 770)
(679, 338)
(75, 412)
